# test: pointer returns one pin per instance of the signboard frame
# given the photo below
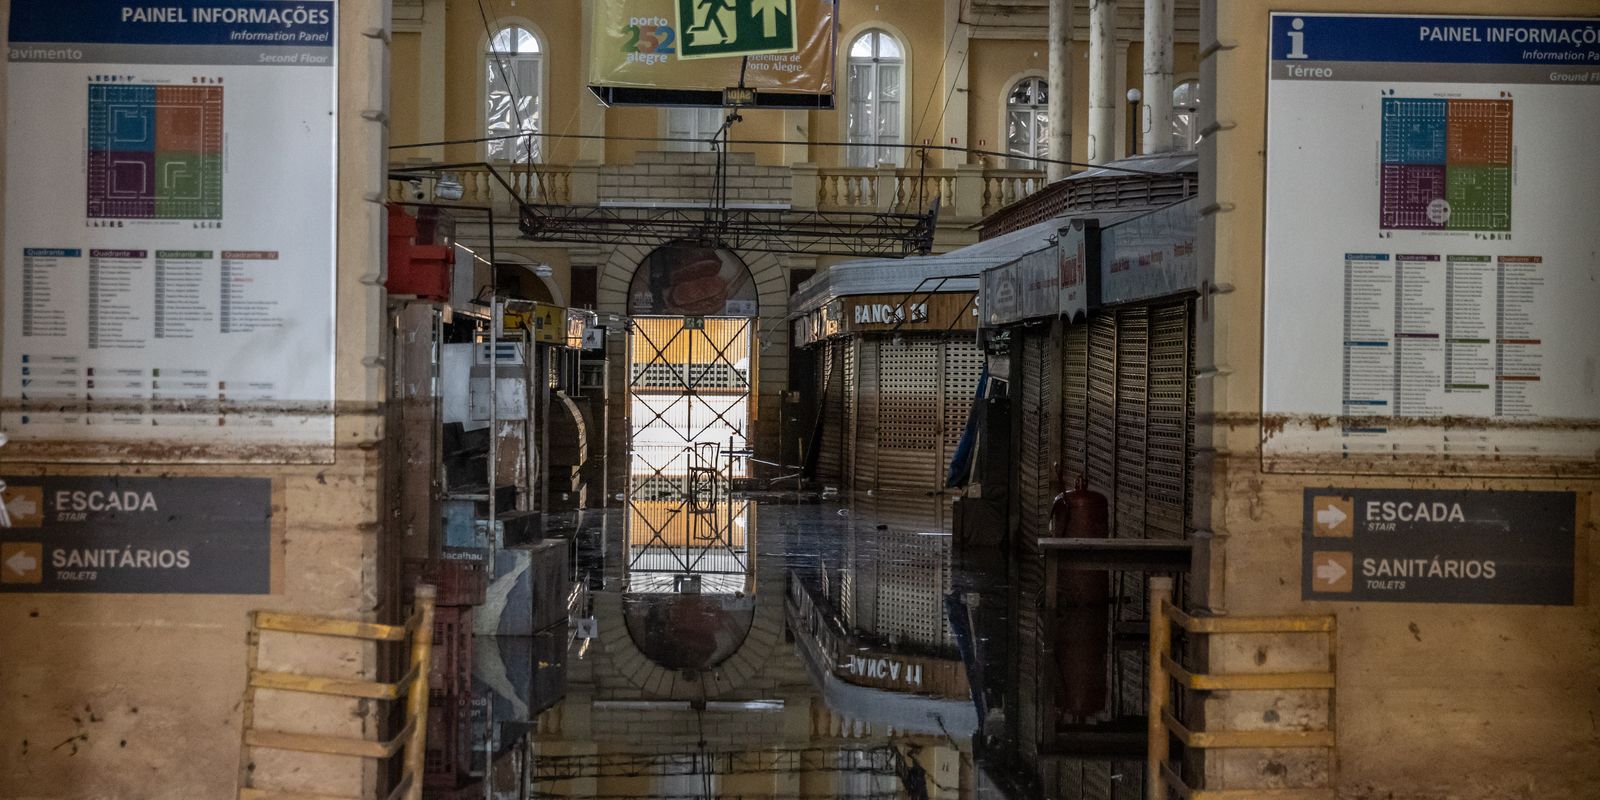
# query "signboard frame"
(139, 372)
(141, 535)
(1462, 336)
(1495, 547)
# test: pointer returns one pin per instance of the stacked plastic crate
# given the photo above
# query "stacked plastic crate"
(461, 574)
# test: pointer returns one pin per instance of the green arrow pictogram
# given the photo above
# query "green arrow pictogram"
(768, 11)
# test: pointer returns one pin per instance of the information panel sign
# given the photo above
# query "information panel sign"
(1430, 270)
(661, 47)
(136, 535)
(169, 228)
(1437, 546)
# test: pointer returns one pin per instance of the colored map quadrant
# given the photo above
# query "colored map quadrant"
(154, 152)
(1446, 164)
(1480, 133)
(1409, 192)
(1414, 131)
(1480, 198)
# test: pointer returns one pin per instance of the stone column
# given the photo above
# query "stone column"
(1104, 105)
(1157, 117)
(1059, 109)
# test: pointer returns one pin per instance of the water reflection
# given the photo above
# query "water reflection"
(832, 671)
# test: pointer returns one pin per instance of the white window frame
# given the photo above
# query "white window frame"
(864, 156)
(689, 128)
(487, 61)
(1186, 114)
(1040, 130)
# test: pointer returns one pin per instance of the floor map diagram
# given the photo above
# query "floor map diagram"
(1446, 164)
(1435, 307)
(155, 152)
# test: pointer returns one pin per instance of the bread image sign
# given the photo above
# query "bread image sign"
(687, 280)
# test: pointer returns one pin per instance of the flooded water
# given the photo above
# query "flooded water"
(822, 658)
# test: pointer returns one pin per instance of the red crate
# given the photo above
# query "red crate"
(448, 752)
(450, 674)
(461, 576)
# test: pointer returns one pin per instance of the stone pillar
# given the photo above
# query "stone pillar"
(888, 183)
(803, 187)
(1059, 110)
(1104, 105)
(585, 186)
(1156, 121)
(968, 204)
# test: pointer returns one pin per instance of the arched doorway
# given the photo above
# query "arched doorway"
(691, 371)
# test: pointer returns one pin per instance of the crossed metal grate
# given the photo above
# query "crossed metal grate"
(689, 390)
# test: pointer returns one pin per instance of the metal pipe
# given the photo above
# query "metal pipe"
(1156, 703)
(1059, 103)
(1102, 81)
(1157, 117)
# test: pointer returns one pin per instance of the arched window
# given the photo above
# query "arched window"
(1028, 123)
(1186, 115)
(876, 85)
(511, 94)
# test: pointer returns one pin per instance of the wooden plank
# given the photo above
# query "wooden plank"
(323, 626)
(1284, 624)
(1248, 681)
(329, 745)
(321, 684)
(1217, 740)
(269, 794)
(1176, 784)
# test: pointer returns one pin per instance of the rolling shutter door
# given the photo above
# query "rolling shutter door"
(1166, 459)
(1075, 402)
(868, 401)
(908, 412)
(1101, 435)
(1133, 361)
(1037, 372)
(963, 361)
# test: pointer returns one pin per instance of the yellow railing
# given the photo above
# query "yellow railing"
(912, 191)
(1164, 671)
(411, 740)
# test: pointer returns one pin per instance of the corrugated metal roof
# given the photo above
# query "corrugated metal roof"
(919, 273)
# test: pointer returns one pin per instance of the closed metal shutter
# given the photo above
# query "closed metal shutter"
(1133, 379)
(831, 461)
(908, 414)
(963, 362)
(868, 401)
(1075, 402)
(1101, 414)
(1037, 373)
(1167, 439)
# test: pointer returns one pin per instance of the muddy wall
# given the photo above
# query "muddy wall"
(139, 696)
(1433, 700)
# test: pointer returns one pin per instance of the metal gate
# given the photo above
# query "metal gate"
(689, 393)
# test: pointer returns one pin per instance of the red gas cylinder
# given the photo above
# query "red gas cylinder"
(1083, 608)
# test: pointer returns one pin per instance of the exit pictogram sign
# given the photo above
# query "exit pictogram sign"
(721, 28)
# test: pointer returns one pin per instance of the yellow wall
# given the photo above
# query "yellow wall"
(1462, 701)
(559, 24)
(405, 57)
(993, 66)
